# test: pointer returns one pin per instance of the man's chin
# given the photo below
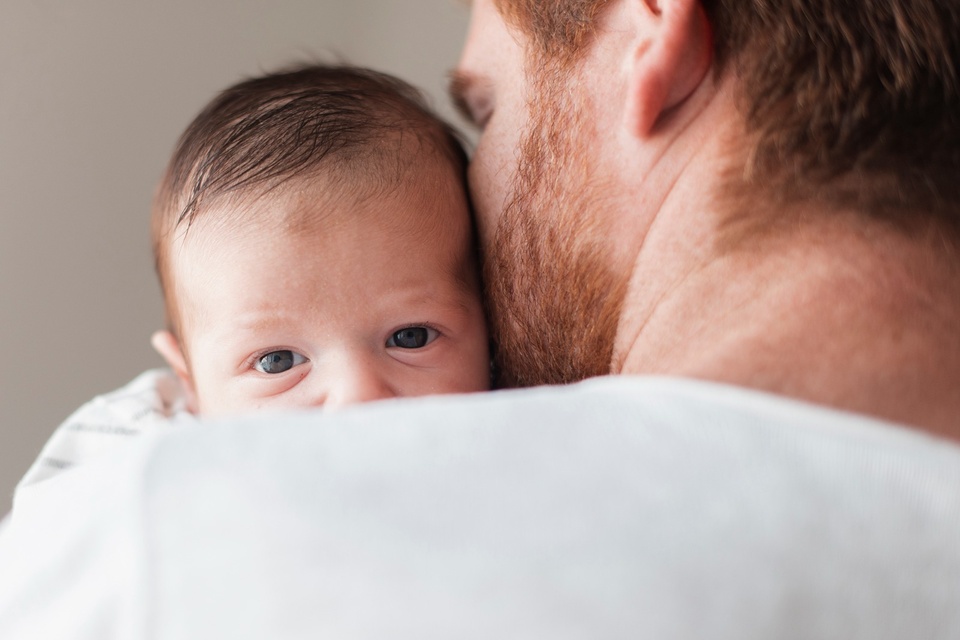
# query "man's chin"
(554, 306)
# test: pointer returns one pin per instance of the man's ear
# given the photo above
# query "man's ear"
(672, 56)
(167, 345)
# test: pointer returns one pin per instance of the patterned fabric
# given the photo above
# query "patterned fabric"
(151, 402)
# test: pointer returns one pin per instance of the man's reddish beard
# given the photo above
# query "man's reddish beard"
(554, 301)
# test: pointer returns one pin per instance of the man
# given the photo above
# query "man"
(756, 200)
(763, 195)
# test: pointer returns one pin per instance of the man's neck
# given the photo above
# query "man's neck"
(860, 317)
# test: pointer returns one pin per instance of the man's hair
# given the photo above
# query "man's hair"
(850, 103)
(355, 125)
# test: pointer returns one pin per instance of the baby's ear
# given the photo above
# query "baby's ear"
(167, 345)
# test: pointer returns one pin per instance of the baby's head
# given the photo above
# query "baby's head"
(314, 246)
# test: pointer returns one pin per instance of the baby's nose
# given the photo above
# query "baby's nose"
(357, 382)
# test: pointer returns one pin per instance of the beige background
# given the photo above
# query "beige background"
(93, 94)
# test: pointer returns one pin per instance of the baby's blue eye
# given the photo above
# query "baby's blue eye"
(278, 361)
(412, 337)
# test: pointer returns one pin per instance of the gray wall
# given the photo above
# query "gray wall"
(93, 94)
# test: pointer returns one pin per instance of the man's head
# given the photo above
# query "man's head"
(314, 246)
(846, 102)
(850, 106)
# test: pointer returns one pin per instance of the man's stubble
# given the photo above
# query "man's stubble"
(554, 298)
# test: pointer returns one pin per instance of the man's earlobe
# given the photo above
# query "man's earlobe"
(672, 57)
(167, 345)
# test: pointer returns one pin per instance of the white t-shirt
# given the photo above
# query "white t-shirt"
(615, 508)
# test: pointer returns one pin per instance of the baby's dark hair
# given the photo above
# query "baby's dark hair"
(355, 124)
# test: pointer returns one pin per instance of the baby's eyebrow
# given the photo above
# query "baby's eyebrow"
(261, 320)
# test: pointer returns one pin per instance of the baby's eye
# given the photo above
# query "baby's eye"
(412, 337)
(278, 361)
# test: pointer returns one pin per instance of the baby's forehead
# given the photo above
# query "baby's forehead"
(306, 232)
(426, 198)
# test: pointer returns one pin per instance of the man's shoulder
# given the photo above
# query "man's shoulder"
(618, 507)
(671, 406)
(618, 419)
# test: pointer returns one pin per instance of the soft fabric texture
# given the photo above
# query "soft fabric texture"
(151, 402)
(616, 508)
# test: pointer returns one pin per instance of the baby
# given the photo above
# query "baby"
(314, 245)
